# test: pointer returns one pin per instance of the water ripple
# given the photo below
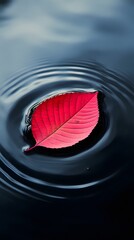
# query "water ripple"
(77, 171)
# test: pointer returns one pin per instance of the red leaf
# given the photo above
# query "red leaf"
(64, 120)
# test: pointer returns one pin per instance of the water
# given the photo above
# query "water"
(57, 173)
(52, 47)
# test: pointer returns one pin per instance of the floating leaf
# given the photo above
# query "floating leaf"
(64, 120)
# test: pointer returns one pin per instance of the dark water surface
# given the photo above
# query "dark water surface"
(50, 47)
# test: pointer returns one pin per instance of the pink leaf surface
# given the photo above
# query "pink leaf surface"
(64, 120)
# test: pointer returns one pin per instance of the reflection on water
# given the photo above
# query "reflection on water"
(52, 46)
(66, 29)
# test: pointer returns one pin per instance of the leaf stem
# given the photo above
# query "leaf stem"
(29, 149)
